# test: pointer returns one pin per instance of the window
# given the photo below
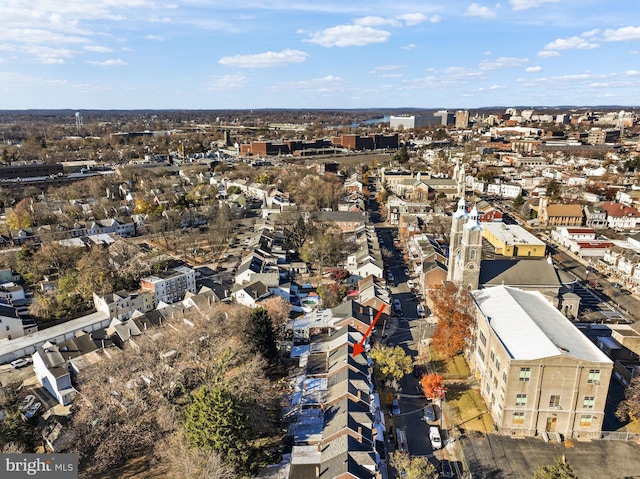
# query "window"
(483, 339)
(594, 376)
(481, 354)
(492, 355)
(518, 418)
(554, 401)
(585, 421)
(497, 364)
(504, 376)
(589, 402)
(521, 400)
(525, 374)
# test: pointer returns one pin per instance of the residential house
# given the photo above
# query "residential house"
(621, 217)
(54, 365)
(122, 304)
(559, 214)
(595, 216)
(11, 326)
(537, 372)
(252, 294)
(343, 221)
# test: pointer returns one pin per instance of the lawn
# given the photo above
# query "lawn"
(468, 409)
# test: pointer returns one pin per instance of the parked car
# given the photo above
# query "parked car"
(395, 408)
(390, 277)
(445, 469)
(411, 284)
(26, 402)
(429, 413)
(420, 310)
(434, 437)
(20, 363)
(406, 272)
(417, 370)
(397, 306)
(32, 410)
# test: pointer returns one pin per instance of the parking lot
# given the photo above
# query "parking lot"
(501, 457)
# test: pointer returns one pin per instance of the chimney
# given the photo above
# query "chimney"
(359, 433)
(317, 470)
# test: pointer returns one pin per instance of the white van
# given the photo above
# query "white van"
(434, 437)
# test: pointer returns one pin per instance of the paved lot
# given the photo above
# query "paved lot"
(500, 457)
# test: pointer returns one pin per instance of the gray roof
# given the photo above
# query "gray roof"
(346, 455)
(530, 327)
(522, 273)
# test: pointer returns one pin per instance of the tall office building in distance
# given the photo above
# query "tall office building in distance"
(462, 119)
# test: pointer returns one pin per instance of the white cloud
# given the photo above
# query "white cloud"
(548, 53)
(435, 19)
(632, 72)
(622, 34)
(389, 67)
(108, 63)
(373, 21)
(413, 18)
(527, 4)
(155, 19)
(533, 69)
(227, 82)
(590, 33)
(502, 62)
(265, 60)
(571, 43)
(496, 87)
(411, 46)
(49, 55)
(97, 48)
(476, 10)
(155, 38)
(348, 36)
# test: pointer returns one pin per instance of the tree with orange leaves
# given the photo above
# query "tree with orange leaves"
(431, 385)
(454, 309)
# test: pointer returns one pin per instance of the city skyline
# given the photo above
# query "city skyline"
(196, 54)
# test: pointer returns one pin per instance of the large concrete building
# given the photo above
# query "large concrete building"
(538, 373)
(407, 122)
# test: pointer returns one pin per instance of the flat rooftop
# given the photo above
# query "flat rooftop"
(511, 234)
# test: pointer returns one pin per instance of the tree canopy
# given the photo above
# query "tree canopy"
(431, 385)
(629, 407)
(560, 470)
(412, 467)
(453, 308)
(391, 362)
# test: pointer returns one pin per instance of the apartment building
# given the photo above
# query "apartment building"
(171, 285)
(538, 373)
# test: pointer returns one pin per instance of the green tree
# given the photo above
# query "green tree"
(560, 470)
(391, 362)
(518, 201)
(262, 335)
(412, 467)
(402, 156)
(216, 421)
(553, 189)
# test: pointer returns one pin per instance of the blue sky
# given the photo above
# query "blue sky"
(210, 54)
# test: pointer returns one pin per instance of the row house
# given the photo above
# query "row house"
(621, 217)
(122, 304)
(595, 216)
(337, 423)
(171, 285)
(343, 221)
(504, 190)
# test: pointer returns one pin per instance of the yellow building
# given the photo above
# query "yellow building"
(513, 240)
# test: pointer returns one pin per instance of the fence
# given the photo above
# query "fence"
(619, 436)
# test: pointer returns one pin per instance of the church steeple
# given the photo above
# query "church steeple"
(455, 237)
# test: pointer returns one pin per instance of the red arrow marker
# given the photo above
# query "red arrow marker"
(359, 347)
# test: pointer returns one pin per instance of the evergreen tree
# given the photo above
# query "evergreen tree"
(262, 335)
(216, 421)
(560, 470)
